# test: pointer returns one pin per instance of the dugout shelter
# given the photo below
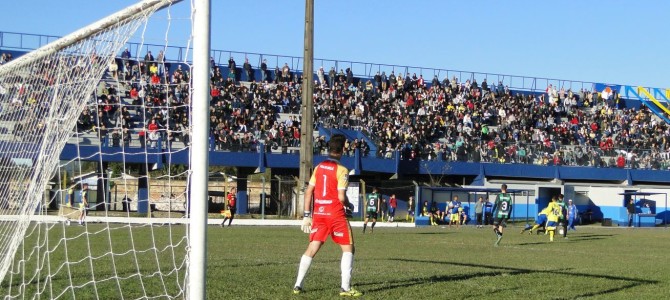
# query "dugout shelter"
(645, 209)
(468, 196)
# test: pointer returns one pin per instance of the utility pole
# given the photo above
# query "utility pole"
(307, 108)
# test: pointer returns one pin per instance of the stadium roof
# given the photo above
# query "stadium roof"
(640, 194)
(475, 189)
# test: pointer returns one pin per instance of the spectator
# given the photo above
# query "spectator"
(116, 138)
(425, 210)
(125, 203)
(321, 76)
(83, 206)
(632, 210)
(479, 207)
(620, 161)
(153, 133)
(331, 77)
(488, 212)
(232, 66)
(160, 62)
(148, 59)
(410, 209)
(434, 213)
(125, 55)
(393, 204)
(383, 209)
(286, 73)
(142, 138)
(113, 68)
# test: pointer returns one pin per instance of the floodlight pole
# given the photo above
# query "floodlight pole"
(199, 151)
(307, 107)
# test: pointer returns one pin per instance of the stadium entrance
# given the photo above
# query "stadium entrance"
(544, 195)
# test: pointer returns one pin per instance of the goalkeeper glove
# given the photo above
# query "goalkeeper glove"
(306, 222)
(348, 210)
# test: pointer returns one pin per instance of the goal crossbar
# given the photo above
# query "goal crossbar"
(118, 18)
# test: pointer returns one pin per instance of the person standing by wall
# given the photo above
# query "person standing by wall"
(631, 212)
(327, 190)
(83, 206)
(479, 212)
(410, 209)
(393, 204)
(383, 209)
(248, 71)
(70, 196)
(488, 212)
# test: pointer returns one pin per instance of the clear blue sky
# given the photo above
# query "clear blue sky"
(613, 41)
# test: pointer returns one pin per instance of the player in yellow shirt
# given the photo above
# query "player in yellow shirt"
(541, 219)
(552, 222)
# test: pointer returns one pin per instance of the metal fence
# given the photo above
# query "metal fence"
(26, 42)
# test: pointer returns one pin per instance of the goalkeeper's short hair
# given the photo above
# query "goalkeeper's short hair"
(336, 144)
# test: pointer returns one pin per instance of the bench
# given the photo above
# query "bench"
(647, 220)
(422, 221)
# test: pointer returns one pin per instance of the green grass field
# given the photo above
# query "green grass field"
(437, 263)
(252, 262)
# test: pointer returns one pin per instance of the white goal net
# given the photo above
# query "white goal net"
(94, 176)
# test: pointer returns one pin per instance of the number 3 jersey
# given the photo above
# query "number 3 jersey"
(328, 178)
(503, 205)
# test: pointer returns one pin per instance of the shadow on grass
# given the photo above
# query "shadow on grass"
(432, 233)
(577, 235)
(533, 243)
(578, 239)
(497, 270)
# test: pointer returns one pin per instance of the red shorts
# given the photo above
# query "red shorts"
(338, 228)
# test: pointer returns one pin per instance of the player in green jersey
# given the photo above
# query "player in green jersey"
(502, 210)
(372, 204)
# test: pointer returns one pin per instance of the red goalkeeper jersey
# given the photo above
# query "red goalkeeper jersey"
(328, 178)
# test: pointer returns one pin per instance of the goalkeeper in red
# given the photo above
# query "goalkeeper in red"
(502, 210)
(328, 185)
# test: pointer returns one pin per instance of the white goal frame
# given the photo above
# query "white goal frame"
(199, 149)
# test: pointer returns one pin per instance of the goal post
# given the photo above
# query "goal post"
(199, 150)
(77, 147)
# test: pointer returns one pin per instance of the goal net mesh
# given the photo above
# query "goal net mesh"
(88, 130)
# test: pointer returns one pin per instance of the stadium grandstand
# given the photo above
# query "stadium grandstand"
(468, 128)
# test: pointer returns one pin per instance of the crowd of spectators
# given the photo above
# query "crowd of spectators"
(468, 121)
(148, 100)
(401, 114)
(5, 57)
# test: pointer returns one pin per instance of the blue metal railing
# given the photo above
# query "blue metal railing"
(24, 41)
